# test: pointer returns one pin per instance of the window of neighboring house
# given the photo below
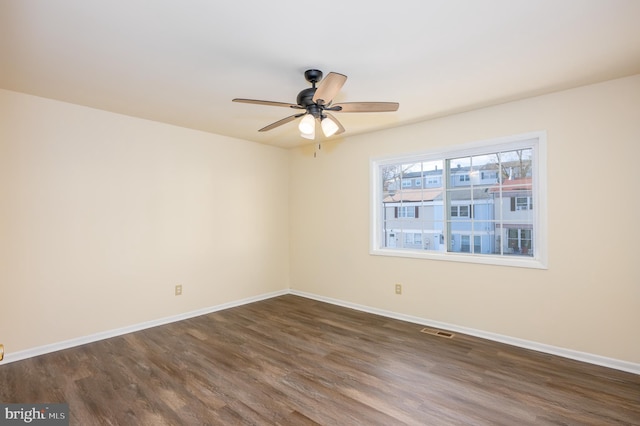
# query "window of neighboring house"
(407, 212)
(459, 211)
(412, 238)
(465, 245)
(488, 175)
(522, 203)
(478, 207)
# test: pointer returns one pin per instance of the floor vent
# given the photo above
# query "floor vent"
(437, 332)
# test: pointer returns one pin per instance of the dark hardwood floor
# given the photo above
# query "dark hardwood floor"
(294, 361)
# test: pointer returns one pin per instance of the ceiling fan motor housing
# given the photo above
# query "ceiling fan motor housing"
(305, 97)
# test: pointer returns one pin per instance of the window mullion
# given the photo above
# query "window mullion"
(503, 234)
(446, 207)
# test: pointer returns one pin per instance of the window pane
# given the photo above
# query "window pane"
(391, 238)
(485, 170)
(390, 180)
(459, 202)
(483, 206)
(517, 201)
(412, 176)
(459, 169)
(432, 234)
(519, 241)
(477, 244)
(516, 164)
(432, 171)
(465, 246)
(460, 243)
(484, 233)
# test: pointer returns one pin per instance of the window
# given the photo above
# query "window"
(522, 203)
(413, 238)
(407, 211)
(478, 205)
(460, 211)
(488, 175)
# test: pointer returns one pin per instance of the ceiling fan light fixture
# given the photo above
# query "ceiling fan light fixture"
(311, 135)
(329, 127)
(307, 126)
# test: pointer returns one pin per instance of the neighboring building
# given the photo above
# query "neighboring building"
(485, 213)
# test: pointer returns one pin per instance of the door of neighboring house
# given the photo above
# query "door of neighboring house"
(392, 240)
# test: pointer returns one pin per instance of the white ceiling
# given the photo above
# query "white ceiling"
(181, 62)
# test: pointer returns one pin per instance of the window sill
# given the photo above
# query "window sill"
(513, 261)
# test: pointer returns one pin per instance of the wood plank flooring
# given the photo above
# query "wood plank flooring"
(295, 361)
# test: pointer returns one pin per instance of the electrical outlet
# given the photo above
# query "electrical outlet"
(178, 289)
(398, 288)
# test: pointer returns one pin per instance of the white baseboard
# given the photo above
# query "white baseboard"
(617, 364)
(540, 347)
(41, 350)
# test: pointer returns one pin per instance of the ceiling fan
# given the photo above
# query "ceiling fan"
(316, 103)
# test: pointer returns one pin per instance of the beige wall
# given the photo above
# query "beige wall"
(589, 298)
(101, 215)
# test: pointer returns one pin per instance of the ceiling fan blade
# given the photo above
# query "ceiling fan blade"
(366, 107)
(281, 122)
(270, 103)
(335, 120)
(329, 87)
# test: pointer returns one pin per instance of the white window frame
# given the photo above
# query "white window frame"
(537, 141)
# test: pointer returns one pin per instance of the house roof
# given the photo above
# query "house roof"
(410, 195)
(523, 184)
(433, 194)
